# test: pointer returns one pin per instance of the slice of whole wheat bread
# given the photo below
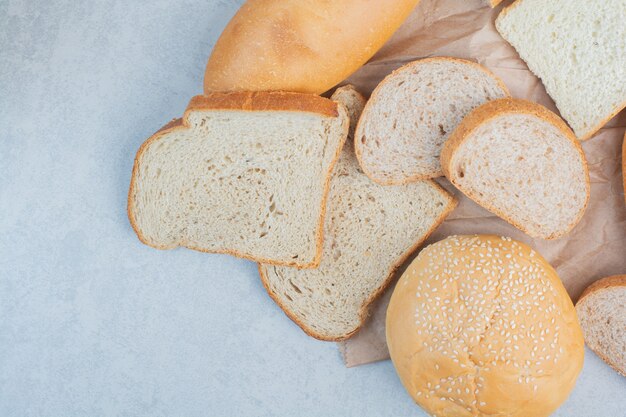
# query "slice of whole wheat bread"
(520, 161)
(578, 49)
(601, 311)
(369, 231)
(413, 111)
(245, 174)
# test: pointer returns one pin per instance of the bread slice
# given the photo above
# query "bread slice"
(369, 231)
(602, 314)
(413, 111)
(520, 161)
(245, 174)
(578, 49)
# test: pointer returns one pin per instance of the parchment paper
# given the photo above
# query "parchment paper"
(596, 248)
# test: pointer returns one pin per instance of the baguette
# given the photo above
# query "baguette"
(245, 174)
(306, 46)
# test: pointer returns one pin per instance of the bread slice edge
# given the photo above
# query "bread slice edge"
(490, 111)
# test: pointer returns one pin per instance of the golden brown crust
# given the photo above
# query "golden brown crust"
(265, 101)
(494, 3)
(302, 46)
(308, 103)
(484, 360)
(387, 79)
(604, 283)
(363, 312)
(624, 165)
(490, 111)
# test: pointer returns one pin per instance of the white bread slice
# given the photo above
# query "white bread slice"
(245, 174)
(601, 311)
(413, 111)
(578, 49)
(370, 231)
(520, 161)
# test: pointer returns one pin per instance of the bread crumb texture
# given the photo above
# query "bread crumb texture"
(370, 229)
(482, 326)
(602, 313)
(245, 174)
(578, 49)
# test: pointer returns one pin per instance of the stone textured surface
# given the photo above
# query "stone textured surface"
(92, 322)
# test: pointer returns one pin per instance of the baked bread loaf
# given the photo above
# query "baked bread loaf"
(369, 231)
(245, 174)
(304, 46)
(602, 312)
(413, 111)
(520, 161)
(482, 326)
(578, 49)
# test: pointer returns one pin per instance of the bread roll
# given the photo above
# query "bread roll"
(481, 325)
(297, 45)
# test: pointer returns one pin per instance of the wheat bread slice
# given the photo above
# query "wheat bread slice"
(413, 111)
(521, 162)
(601, 311)
(370, 230)
(243, 173)
(578, 49)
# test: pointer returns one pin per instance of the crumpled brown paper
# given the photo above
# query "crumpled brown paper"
(596, 248)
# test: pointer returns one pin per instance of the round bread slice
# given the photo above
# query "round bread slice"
(413, 111)
(520, 161)
(602, 313)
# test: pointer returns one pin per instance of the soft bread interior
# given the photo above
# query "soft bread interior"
(525, 170)
(245, 182)
(602, 316)
(369, 230)
(577, 48)
(412, 113)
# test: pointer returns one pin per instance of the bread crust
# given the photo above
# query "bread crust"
(490, 111)
(358, 146)
(604, 283)
(624, 165)
(600, 285)
(595, 129)
(267, 101)
(303, 46)
(364, 310)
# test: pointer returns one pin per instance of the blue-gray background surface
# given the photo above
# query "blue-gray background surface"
(92, 322)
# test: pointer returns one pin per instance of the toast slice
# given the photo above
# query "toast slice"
(369, 231)
(243, 173)
(578, 49)
(520, 161)
(413, 111)
(601, 311)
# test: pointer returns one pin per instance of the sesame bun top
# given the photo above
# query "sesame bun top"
(482, 325)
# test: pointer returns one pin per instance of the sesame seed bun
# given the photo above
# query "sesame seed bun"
(482, 325)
